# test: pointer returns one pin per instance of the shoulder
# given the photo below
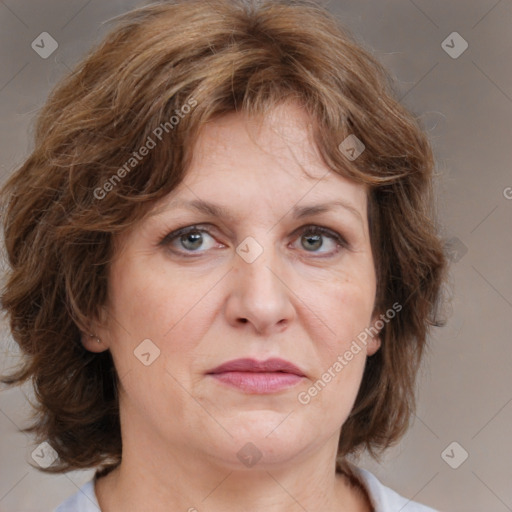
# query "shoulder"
(385, 499)
(84, 500)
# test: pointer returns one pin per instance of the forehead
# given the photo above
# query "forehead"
(277, 150)
(243, 166)
(282, 136)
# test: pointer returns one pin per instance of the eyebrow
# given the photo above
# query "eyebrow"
(298, 212)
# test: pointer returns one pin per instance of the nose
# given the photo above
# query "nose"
(260, 298)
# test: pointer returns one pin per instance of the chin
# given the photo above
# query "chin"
(266, 424)
(267, 437)
(258, 454)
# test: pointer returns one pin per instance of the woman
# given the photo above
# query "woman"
(224, 264)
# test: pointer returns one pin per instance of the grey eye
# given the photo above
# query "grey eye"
(189, 240)
(192, 241)
(314, 242)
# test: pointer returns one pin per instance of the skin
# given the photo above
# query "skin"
(304, 300)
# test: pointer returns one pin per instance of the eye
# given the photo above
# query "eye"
(312, 239)
(189, 240)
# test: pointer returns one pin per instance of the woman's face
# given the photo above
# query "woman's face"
(255, 282)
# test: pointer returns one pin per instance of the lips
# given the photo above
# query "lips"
(274, 365)
(258, 377)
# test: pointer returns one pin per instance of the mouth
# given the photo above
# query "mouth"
(258, 377)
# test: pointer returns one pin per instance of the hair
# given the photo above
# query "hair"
(161, 73)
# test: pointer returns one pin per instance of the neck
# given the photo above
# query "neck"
(187, 482)
(159, 475)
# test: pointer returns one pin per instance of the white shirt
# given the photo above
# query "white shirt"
(382, 498)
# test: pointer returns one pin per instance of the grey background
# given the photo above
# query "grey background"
(464, 389)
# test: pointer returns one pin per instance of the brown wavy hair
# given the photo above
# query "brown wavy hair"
(63, 207)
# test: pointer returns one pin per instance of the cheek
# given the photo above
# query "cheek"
(346, 306)
(146, 306)
(346, 311)
(171, 311)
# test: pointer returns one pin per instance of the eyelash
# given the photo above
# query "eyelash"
(309, 229)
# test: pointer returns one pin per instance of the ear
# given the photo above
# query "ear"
(374, 342)
(95, 338)
(92, 344)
